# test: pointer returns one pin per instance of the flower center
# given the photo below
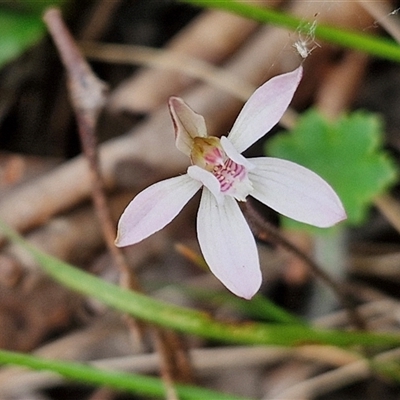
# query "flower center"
(228, 173)
(208, 154)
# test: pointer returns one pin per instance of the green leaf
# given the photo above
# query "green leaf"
(259, 307)
(131, 383)
(192, 321)
(347, 153)
(17, 33)
(377, 46)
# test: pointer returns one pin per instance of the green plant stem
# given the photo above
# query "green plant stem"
(133, 383)
(259, 307)
(376, 46)
(191, 321)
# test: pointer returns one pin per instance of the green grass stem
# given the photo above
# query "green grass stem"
(191, 321)
(373, 45)
(123, 381)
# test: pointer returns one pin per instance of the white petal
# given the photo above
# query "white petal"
(295, 192)
(153, 208)
(187, 124)
(228, 245)
(208, 180)
(264, 109)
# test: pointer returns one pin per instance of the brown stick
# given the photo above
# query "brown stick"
(341, 292)
(87, 97)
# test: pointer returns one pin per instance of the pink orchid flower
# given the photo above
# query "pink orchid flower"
(225, 239)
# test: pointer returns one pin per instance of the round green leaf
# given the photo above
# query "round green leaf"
(347, 153)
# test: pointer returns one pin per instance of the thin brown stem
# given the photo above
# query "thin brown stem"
(341, 291)
(87, 95)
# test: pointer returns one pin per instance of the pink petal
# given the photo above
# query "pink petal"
(295, 192)
(264, 109)
(153, 208)
(228, 245)
(187, 124)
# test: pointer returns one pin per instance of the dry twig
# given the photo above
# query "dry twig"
(87, 97)
(343, 294)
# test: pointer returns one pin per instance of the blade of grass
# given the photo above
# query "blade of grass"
(192, 321)
(259, 307)
(132, 383)
(376, 46)
(263, 308)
